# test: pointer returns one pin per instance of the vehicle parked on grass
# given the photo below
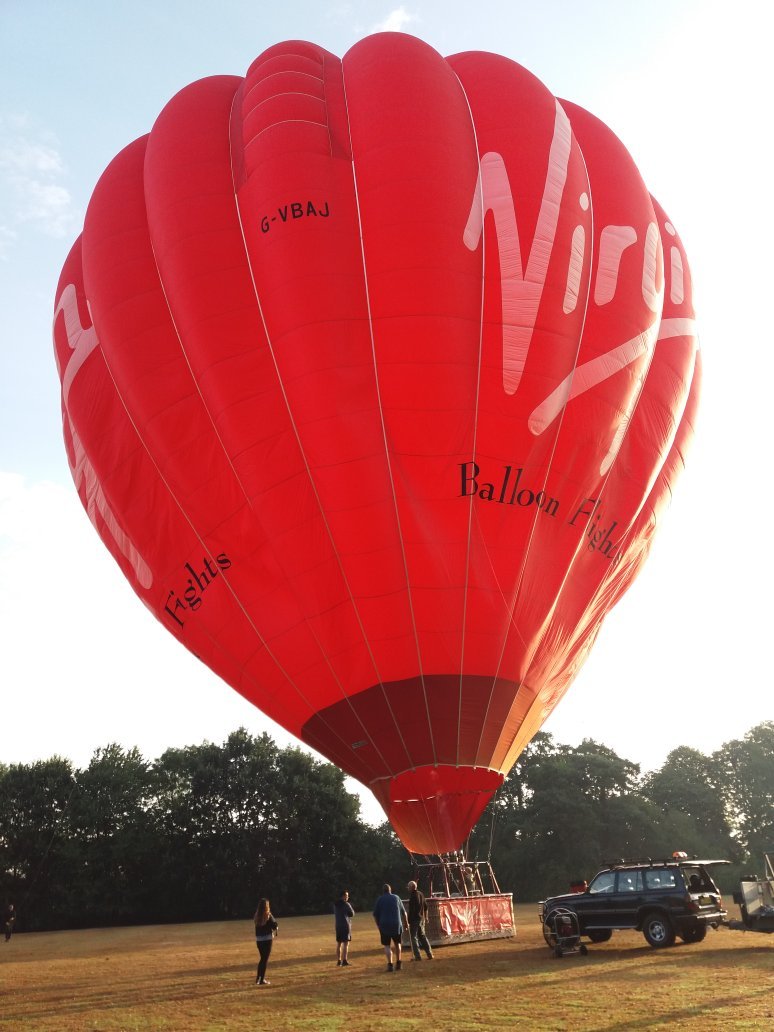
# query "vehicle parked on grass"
(660, 898)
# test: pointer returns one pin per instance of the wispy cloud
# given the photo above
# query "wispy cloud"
(32, 178)
(26, 157)
(396, 20)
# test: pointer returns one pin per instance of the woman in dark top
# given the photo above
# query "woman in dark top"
(265, 930)
(344, 913)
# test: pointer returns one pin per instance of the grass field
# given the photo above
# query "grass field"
(200, 977)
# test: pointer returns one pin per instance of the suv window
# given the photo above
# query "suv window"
(660, 878)
(604, 882)
(698, 880)
(630, 881)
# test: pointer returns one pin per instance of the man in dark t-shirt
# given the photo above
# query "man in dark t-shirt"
(417, 916)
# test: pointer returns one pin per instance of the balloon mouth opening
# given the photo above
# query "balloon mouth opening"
(433, 808)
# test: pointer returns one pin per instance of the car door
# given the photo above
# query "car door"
(628, 897)
(596, 907)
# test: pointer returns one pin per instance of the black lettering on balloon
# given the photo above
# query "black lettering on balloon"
(507, 488)
(295, 210)
(200, 577)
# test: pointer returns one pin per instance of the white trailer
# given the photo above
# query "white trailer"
(755, 898)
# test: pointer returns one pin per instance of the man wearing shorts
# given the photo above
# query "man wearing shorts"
(391, 918)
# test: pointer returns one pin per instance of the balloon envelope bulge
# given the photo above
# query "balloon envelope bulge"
(377, 374)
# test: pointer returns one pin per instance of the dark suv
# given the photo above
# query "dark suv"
(660, 898)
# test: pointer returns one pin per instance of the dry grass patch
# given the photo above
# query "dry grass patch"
(200, 978)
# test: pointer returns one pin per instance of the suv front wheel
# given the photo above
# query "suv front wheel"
(600, 934)
(658, 930)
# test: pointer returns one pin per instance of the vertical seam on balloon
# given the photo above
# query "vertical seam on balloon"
(185, 515)
(578, 547)
(530, 541)
(509, 625)
(260, 638)
(325, 104)
(520, 580)
(314, 490)
(607, 580)
(187, 518)
(475, 429)
(384, 438)
(345, 697)
(168, 486)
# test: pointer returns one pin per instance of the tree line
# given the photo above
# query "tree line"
(201, 832)
(563, 812)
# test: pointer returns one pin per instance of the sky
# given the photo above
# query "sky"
(684, 658)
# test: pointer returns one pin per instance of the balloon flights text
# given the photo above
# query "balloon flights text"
(377, 375)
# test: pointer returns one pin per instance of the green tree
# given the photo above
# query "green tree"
(316, 840)
(113, 824)
(580, 813)
(215, 808)
(746, 775)
(689, 791)
(562, 812)
(503, 832)
(205, 830)
(38, 854)
(246, 819)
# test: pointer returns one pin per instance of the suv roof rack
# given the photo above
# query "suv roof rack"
(642, 861)
(639, 861)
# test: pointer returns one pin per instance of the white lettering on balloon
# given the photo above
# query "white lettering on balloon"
(652, 290)
(588, 375)
(676, 285)
(575, 264)
(522, 288)
(82, 341)
(613, 241)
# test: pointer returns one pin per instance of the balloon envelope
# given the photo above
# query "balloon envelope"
(376, 375)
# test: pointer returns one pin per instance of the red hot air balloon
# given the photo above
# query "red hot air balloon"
(376, 375)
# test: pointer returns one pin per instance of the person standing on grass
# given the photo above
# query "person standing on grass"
(343, 913)
(265, 930)
(9, 919)
(391, 920)
(417, 915)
